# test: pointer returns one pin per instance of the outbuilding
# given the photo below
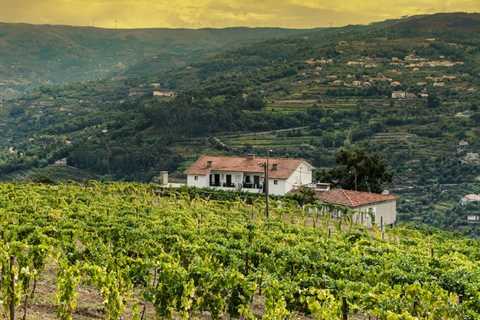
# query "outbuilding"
(370, 208)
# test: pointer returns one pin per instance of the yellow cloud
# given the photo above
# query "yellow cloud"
(220, 13)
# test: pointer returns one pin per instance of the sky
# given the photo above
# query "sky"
(221, 13)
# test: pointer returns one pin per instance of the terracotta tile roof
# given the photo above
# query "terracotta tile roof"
(353, 199)
(284, 166)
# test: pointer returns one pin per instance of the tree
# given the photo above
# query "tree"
(476, 117)
(254, 102)
(357, 169)
(304, 196)
(433, 101)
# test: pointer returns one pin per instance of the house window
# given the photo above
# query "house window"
(275, 181)
(195, 178)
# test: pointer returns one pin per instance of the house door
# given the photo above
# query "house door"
(256, 182)
(229, 180)
(217, 180)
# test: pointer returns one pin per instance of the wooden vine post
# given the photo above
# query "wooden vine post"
(382, 227)
(11, 308)
(344, 309)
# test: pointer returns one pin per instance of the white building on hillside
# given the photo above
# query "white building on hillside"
(248, 174)
(370, 208)
(469, 198)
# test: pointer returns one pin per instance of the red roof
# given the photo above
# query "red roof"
(280, 168)
(353, 199)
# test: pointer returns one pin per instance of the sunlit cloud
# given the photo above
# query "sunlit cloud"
(220, 13)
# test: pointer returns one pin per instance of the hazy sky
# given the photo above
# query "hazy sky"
(220, 13)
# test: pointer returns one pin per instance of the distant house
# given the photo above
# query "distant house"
(395, 84)
(463, 143)
(410, 95)
(164, 93)
(473, 219)
(61, 162)
(370, 208)
(399, 95)
(471, 158)
(248, 174)
(449, 78)
(470, 198)
(357, 83)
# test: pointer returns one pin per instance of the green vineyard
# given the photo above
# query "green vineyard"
(122, 251)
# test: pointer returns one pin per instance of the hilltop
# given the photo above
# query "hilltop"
(411, 96)
(34, 55)
(440, 23)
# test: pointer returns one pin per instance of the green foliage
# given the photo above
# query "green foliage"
(186, 256)
(68, 280)
(433, 101)
(359, 170)
(304, 196)
(322, 304)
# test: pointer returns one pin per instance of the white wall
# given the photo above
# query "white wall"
(300, 177)
(278, 189)
(201, 182)
(387, 210)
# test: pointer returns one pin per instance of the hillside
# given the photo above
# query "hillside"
(119, 250)
(441, 24)
(412, 97)
(33, 55)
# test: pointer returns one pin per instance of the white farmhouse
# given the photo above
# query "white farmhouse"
(248, 174)
(163, 93)
(370, 208)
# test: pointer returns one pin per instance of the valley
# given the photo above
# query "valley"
(413, 98)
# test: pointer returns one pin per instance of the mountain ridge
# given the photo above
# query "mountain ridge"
(34, 55)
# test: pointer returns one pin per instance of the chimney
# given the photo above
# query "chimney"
(163, 178)
(209, 163)
(251, 156)
(274, 166)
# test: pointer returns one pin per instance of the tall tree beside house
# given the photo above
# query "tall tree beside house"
(357, 169)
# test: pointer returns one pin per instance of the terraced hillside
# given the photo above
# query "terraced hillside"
(412, 97)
